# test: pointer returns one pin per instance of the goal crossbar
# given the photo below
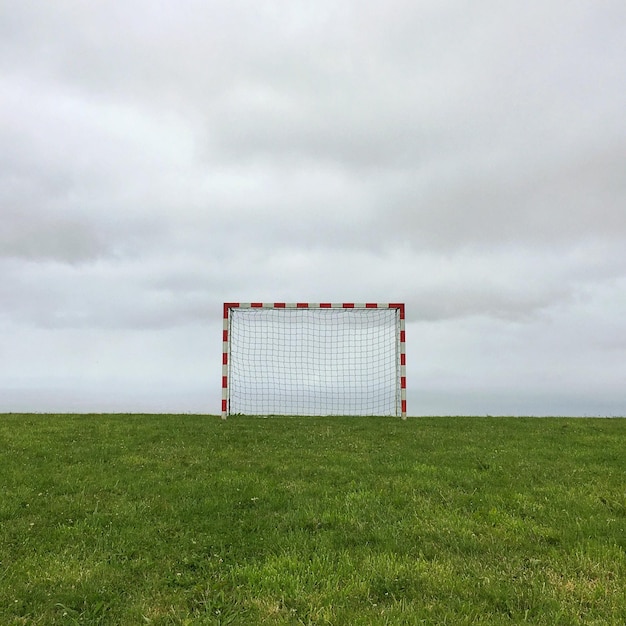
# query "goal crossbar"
(325, 358)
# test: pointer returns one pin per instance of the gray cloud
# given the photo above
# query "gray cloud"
(39, 237)
(467, 158)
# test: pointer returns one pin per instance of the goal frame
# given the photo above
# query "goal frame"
(226, 345)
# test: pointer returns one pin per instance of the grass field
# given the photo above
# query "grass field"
(162, 519)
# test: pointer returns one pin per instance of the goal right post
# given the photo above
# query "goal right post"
(314, 359)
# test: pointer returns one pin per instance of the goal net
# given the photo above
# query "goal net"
(313, 359)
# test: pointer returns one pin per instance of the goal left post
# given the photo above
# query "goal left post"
(226, 356)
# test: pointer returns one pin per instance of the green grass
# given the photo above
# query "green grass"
(144, 519)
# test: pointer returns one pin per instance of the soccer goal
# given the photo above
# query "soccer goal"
(313, 359)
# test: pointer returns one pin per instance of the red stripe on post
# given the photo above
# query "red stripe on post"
(399, 306)
(229, 305)
(225, 335)
(403, 382)
(279, 305)
(224, 358)
(348, 305)
(325, 305)
(371, 305)
(402, 336)
(404, 406)
(224, 405)
(224, 382)
(403, 359)
(302, 305)
(256, 305)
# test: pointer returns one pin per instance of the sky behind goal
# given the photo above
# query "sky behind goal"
(466, 158)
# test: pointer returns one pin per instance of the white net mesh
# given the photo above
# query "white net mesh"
(314, 361)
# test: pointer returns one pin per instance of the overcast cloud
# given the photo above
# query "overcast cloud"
(160, 158)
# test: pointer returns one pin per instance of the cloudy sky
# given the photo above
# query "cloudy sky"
(160, 158)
